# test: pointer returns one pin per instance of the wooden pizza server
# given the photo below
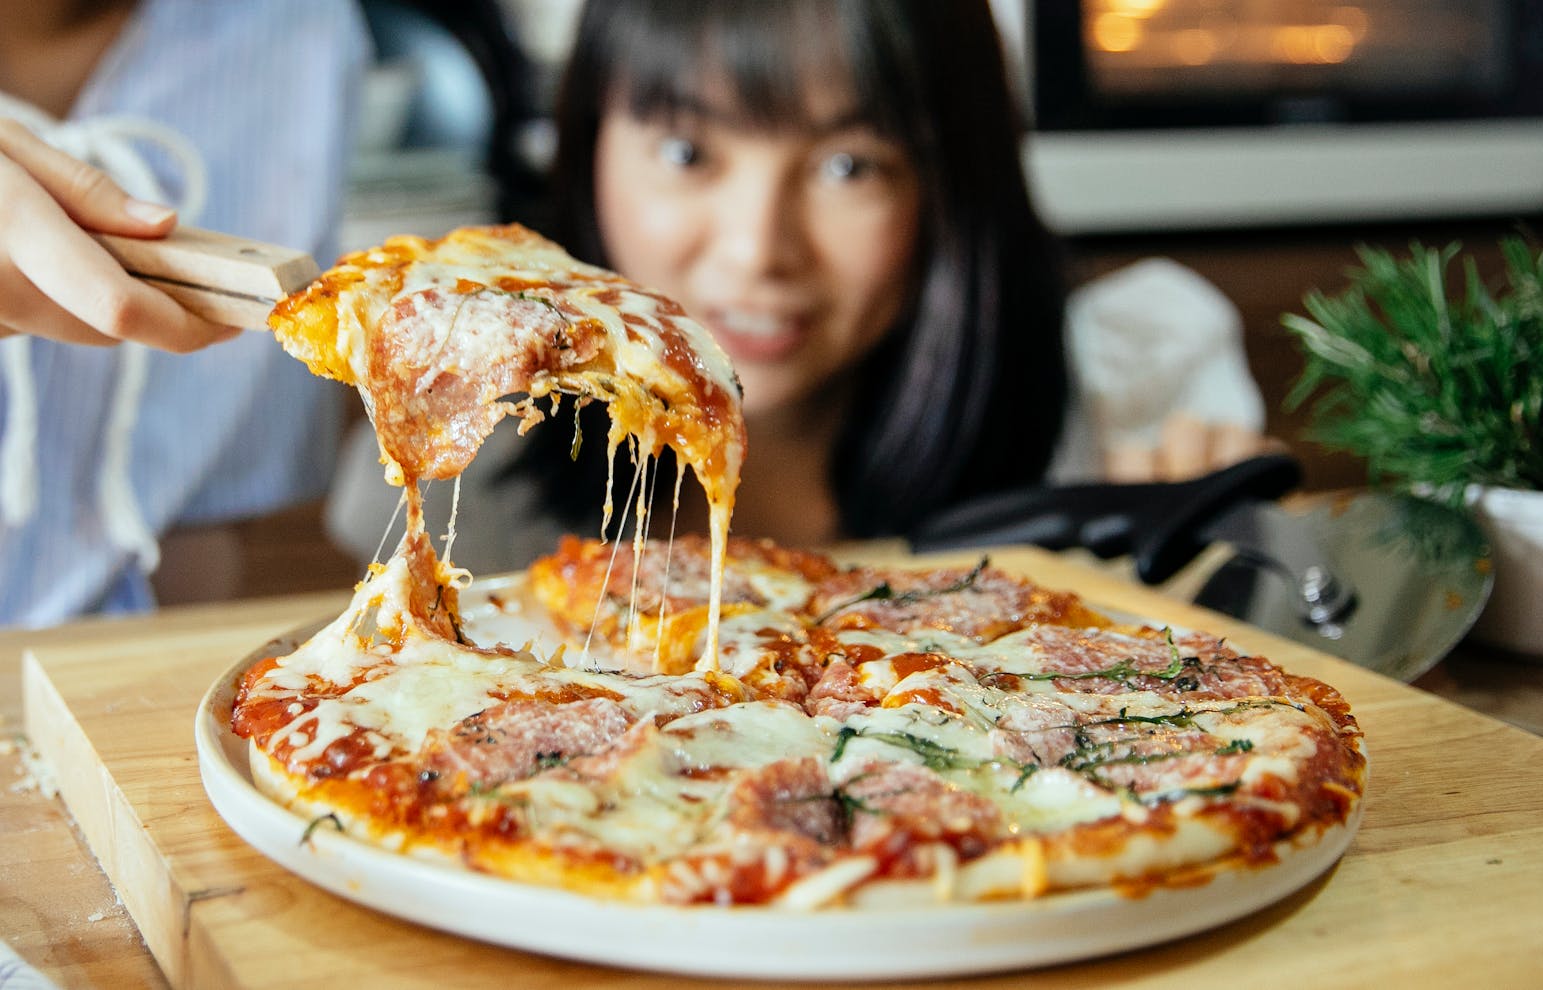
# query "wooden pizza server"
(222, 278)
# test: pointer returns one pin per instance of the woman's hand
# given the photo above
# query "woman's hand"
(58, 282)
(1188, 448)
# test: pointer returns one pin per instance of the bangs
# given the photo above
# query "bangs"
(673, 56)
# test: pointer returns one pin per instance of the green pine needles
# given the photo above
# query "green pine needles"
(1435, 390)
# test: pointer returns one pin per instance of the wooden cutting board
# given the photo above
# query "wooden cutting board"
(1440, 888)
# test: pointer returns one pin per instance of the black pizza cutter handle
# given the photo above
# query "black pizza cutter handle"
(1159, 524)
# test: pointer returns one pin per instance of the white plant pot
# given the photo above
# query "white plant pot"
(1512, 520)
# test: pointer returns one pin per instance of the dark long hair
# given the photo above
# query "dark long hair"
(967, 394)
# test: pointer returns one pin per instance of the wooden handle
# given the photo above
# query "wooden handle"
(237, 311)
(223, 278)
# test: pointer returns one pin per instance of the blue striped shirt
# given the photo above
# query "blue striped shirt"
(262, 88)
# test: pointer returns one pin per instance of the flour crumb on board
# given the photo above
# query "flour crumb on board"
(114, 909)
(36, 774)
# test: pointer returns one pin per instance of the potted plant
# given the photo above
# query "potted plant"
(1437, 382)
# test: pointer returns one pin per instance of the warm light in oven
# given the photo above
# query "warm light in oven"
(1136, 8)
(1116, 32)
(1352, 19)
(1306, 44)
(1195, 47)
(1333, 43)
(1153, 33)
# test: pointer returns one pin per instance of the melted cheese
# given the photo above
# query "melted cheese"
(400, 689)
(880, 735)
(741, 646)
(643, 810)
(1053, 800)
(748, 735)
(486, 311)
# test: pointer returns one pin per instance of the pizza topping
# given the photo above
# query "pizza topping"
(790, 796)
(519, 738)
(898, 807)
(1156, 763)
(586, 577)
(981, 603)
(746, 735)
(1034, 730)
(446, 358)
(768, 651)
(652, 606)
(840, 693)
(1110, 662)
(884, 592)
(676, 576)
(912, 734)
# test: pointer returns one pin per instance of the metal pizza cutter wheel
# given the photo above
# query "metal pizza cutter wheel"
(1386, 581)
(1391, 582)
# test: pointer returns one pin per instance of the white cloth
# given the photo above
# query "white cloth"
(15, 974)
(261, 89)
(1143, 343)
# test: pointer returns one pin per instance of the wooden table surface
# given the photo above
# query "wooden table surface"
(1440, 888)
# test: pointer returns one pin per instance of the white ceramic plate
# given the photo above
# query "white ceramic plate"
(947, 940)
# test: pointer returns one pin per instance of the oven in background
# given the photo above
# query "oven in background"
(1161, 114)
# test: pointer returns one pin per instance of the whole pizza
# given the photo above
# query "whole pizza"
(724, 721)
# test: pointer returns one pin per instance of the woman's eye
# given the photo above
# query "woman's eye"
(843, 166)
(679, 152)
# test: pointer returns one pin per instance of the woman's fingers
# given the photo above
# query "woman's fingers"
(85, 285)
(1231, 443)
(85, 193)
(1188, 447)
(78, 275)
(1130, 464)
(1185, 449)
(60, 283)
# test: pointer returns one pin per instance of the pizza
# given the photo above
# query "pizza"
(722, 720)
(868, 737)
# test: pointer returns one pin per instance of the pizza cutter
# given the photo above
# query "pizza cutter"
(1389, 582)
(226, 279)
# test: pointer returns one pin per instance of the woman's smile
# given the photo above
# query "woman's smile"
(749, 336)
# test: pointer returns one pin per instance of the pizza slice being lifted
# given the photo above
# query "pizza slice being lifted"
(441, 336)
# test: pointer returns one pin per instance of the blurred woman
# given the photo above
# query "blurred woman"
(833, 187)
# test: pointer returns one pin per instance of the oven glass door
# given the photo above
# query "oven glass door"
(1183, 62)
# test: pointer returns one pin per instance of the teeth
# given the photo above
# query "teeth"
(752, 324)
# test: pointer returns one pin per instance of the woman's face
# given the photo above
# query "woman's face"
(795, 247)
